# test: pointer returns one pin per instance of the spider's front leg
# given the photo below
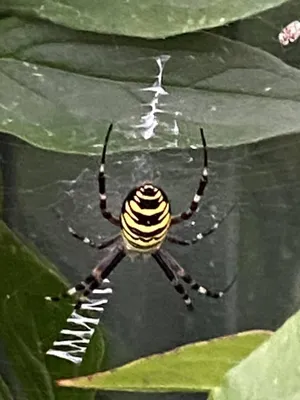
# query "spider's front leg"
(200, 191)
(101, 183)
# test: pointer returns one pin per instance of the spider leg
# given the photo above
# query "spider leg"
(101, 182)
(161, 260)
(102, 245)
(94, 280)
(182, 274)
(202, 184)
(177, 240)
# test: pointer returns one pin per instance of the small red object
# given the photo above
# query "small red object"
(290, 33)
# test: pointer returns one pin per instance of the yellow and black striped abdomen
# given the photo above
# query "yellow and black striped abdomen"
(145, 218)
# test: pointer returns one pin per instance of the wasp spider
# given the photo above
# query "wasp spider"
(145, 221)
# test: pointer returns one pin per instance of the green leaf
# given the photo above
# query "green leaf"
(60, 89)
(194, 367)
(271, 372)
(1, 192)
(144, 18)
(5, 393)
(29, 324)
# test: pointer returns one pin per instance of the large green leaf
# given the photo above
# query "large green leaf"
(29, 324)
(1, 192)
(271, 372)
(72, 84)
(144, 18)
(194, 367)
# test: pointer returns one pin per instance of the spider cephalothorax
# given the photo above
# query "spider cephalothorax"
(144, 223)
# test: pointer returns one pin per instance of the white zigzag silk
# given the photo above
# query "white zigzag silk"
(75, 339)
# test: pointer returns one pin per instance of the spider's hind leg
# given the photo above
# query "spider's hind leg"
(82, 290)
(182, 274)
(173, 278)
(204, 290)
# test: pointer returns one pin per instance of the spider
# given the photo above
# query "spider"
(145, 221)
